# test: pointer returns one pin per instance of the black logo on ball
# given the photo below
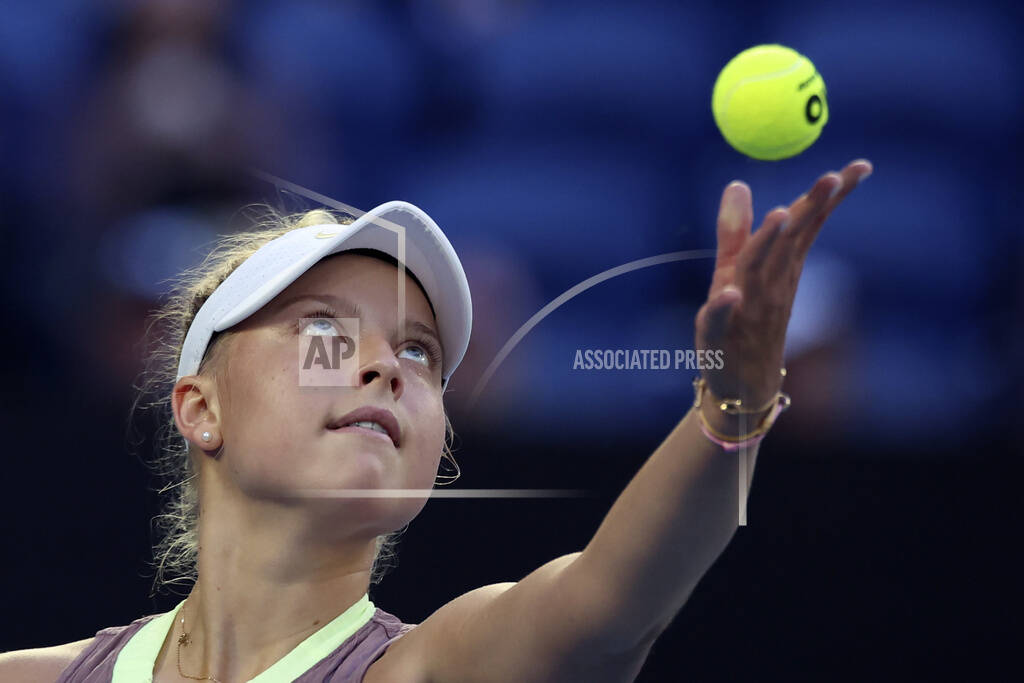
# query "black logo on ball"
(813, 109)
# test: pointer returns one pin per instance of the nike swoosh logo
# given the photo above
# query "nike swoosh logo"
(321, 235)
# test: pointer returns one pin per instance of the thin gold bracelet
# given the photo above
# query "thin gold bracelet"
(778, 403)
(734, 406)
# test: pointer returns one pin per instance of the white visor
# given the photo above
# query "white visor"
(428, 255)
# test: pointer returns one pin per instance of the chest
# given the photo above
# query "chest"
(400, 662)
(165, 669)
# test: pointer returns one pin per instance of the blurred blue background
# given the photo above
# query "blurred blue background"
(551, 140)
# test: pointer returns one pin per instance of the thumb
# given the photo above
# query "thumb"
(714, 315)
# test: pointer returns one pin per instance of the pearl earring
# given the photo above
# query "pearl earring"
(207, 436)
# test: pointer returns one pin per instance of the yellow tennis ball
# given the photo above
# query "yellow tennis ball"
(769, 102)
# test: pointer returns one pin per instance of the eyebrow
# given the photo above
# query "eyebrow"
(345, 306)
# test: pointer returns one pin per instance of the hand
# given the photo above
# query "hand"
(755, 281)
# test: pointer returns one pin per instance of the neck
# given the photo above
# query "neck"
(256, 601)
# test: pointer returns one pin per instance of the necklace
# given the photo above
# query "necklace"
(185, 639)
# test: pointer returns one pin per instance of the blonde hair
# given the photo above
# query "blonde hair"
(176, 527)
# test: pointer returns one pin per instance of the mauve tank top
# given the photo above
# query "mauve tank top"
(340, 652)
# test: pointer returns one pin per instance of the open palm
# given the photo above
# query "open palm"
(755, 281)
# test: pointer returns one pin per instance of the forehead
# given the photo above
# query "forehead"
(357, 285)
(369, 280)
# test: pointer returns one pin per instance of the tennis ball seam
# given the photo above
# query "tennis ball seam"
(762, 77)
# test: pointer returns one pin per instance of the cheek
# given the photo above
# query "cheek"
(264, 420)
(261, 449)
(429, 425)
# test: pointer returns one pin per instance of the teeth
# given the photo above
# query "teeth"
(369, 425)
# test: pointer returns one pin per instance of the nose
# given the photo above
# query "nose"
(378, 363)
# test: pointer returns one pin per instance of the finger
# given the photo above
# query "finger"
(786, 264)
(726, 275)
(851, 176)
(735, 218)
(786, 255)
(762, 243)
(757, 284)
(781, 267)
(812, 203)
(713, 317)
(813, 207)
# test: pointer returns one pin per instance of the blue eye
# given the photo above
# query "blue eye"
(423, 353)
(323, 326)
(428, 350)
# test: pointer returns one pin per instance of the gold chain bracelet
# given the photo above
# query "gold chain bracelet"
(781, 401)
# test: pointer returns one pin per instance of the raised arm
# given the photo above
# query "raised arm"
(592, 616)
(680, 510)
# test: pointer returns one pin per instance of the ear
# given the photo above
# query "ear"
(196, 410)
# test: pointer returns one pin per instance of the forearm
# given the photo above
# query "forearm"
(681, 509)
(663, 532)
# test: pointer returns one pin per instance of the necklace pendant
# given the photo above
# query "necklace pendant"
(184, 639)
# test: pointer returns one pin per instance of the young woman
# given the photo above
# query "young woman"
(273, 515)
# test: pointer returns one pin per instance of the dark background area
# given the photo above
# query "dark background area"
(551, 141)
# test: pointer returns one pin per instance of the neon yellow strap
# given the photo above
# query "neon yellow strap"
(137, 658)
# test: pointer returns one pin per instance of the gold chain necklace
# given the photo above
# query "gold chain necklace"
(185, 639)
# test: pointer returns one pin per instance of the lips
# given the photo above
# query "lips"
(385, 418)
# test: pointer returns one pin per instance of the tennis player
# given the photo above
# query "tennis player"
(280, 561)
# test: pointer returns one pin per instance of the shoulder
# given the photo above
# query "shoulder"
(40, 664)
(408, 658)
